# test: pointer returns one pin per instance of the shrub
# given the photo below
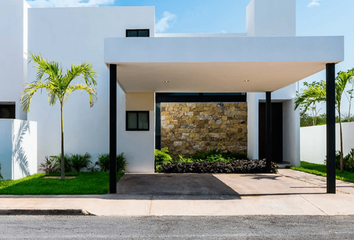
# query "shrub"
(348, 161)
(233, 166)
(121, 163)
(50, 165)
(215, 153)
(79, 162)
(162, 156)
(67, 162)
(103, 162)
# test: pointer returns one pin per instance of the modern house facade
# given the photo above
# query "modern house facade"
(121, 44)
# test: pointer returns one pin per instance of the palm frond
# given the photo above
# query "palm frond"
(28, 93)
(90, 90)
(85, 70)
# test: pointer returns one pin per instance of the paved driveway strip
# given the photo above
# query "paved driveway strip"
(287, 193)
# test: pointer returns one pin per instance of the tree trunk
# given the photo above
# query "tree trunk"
(341, 141)
(62, 144)
(350, 106)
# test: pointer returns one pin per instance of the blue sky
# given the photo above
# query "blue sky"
(314, 18)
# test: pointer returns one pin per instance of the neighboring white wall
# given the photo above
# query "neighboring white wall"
(13, 60)
(18, 148)
(271, 18)
(75, 35)
(313, 142)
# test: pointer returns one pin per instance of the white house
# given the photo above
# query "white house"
(122, 46)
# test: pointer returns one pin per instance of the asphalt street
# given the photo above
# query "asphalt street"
(249, 227)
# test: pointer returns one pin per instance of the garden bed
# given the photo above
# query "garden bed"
(232, 166)
(213, 161)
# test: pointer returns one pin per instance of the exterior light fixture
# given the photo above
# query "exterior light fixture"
(246, 81)
(167, 81)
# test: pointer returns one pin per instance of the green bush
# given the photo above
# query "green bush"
(212, 155)
(67, 162)
(50, 165)
(79, 162)
(162, 156)
(104, 162)
(348, 161)
(215, 154)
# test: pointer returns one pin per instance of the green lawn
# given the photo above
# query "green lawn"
(321, 170)
(83, 183)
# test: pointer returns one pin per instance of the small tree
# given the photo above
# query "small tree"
(316, 92)
(58, 86)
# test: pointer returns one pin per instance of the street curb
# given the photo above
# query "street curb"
(48, 212)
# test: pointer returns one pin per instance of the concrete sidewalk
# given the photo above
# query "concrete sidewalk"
(287, 193)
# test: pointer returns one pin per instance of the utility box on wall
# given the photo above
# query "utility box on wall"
(18, 148)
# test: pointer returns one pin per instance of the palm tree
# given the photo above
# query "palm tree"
(316, 92)
(50, 77)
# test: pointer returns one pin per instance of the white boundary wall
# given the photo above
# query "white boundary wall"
(313, 142)
(18, 148)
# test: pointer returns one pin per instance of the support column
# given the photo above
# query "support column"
(269, 129)
(112, 128)
(331, 128)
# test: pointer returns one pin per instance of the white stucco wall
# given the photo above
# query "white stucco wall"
(13, 45)
(291, 133)
(138, 146)
(313, 142)
(78, 37)
(271, 18)
(18, 148)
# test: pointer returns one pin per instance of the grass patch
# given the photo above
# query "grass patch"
(83, 183)
(321, 170)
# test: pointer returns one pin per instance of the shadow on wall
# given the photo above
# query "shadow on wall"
(18, 153)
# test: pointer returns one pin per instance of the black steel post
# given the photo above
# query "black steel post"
(331, 128)
(269, 129)
(112, 128)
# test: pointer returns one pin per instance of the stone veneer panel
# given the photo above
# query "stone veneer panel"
(189, 128)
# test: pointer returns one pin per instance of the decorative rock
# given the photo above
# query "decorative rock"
(177, 143)
(195, 127)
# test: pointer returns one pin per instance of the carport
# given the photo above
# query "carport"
(222, 64)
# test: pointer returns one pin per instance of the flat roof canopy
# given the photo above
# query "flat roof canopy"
(213, 64)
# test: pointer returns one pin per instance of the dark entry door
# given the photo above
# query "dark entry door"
(277, 132)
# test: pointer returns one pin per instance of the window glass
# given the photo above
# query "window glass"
(143, 121)
(7, 111)
(132, 120)
(138, 33)
(131, 33)
(143, 33)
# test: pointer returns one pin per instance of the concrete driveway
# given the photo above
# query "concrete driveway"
(212, 186)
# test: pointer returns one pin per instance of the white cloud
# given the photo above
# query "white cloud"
(164, 23)
(314, 3)
(69, 3)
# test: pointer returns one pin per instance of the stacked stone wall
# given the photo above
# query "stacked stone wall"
(189, 128)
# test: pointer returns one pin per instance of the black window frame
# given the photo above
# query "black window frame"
(137, 32)
(137, 122)
(11, 107)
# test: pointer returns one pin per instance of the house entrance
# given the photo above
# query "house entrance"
(277, 132)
